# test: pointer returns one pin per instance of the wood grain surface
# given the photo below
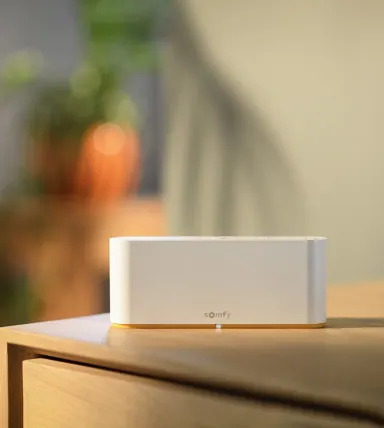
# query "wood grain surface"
(62, 395)
(338, 365)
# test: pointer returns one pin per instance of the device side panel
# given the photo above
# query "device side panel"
(119, 272)
(317, 281)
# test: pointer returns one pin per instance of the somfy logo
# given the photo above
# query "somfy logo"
(218, 315)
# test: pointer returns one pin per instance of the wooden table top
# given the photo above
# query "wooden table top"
(342, 363)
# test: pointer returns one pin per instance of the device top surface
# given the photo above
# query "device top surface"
(218, 238)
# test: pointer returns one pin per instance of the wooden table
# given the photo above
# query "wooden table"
(84, 373)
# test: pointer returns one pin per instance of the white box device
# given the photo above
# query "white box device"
(218, 282)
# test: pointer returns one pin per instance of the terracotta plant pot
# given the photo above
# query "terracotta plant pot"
(108, 164)
(105, 169)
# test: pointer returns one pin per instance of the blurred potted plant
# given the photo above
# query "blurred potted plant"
(82, 131)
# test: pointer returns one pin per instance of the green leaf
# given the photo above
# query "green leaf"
(85, 81)
(119, 108)
(21, 68)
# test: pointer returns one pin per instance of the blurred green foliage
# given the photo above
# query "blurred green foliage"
(21, 69)
(119, 40)
(120, 33)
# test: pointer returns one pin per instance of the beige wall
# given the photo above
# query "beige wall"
(311, 75)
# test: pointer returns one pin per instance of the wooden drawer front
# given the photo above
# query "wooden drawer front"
(63, 395)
